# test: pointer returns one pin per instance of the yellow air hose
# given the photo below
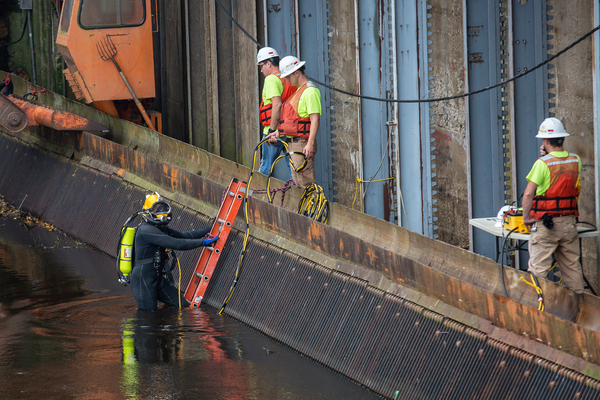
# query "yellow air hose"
(313, 204)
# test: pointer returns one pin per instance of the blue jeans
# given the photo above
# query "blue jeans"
(270, 151)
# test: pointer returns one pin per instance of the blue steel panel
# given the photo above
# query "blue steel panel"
(281, 22)
(314, 49)
(530, 42)
(487, 177)
(426, 131)
(372, 112)
(408, 114)
(531, 91)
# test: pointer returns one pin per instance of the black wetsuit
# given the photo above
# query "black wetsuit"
(148, 283)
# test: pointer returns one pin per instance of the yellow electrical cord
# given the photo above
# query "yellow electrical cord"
(359, 182)
(179, 266)
(554, 266)
(314, 204)
(534, 283)
(247, 233)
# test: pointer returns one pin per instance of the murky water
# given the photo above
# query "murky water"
(69, 331)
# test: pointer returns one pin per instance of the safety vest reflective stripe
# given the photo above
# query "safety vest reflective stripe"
(291, 124)
(561, 196)
(563, 162)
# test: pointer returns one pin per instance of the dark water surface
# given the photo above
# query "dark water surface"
(68, 330)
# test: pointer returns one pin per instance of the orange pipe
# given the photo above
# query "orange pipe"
(56, 119)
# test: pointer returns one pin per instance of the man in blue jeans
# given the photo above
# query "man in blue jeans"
(275, 91)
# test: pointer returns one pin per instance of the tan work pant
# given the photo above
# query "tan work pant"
(307, 175)
(563, 242)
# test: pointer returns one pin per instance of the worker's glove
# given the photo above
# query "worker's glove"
(210, 241)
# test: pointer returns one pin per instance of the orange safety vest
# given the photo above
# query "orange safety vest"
(265, 110)
(291, 124)
(561, 196)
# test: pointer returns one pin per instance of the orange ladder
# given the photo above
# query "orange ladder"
(210, 254)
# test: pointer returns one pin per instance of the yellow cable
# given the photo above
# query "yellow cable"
(538, 290)
(179, 265)
(322, 206)
(360, 181)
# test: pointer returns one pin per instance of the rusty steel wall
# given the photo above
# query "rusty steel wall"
(394, 347)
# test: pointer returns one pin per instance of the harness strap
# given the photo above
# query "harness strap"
(572, 204)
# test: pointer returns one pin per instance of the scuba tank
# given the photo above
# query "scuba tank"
(125, 250)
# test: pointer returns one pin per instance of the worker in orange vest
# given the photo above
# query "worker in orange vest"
(300, 119)
(550, 207)
(275, 91)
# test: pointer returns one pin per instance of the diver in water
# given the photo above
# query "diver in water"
(152, 239)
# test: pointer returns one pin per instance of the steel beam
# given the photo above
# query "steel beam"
(485, 128)
(372, 112)
(407, 55)
(314, 48)
(530, 47)
(281, 23)
(280, 33)
(427, 159)
(531, 92)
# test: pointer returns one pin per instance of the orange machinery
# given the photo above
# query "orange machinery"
(86, 28)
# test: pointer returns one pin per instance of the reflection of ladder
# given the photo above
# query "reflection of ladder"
(210, 255)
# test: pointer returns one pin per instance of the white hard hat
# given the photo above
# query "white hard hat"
(265, 53)
(551, 128)
(289, 64)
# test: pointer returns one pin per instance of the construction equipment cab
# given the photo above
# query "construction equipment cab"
(127, 24)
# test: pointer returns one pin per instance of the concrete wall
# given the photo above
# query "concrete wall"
(574, 107)
(449, 121)
(44, 23)
(345, 130)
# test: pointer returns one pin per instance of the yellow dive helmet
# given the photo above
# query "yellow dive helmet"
(156, 210)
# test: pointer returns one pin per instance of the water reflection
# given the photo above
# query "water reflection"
(68, 330)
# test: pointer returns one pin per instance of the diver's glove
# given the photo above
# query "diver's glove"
(207, 242)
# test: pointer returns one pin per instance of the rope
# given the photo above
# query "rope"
(431, 100)
(35, 94)
(287, 186)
